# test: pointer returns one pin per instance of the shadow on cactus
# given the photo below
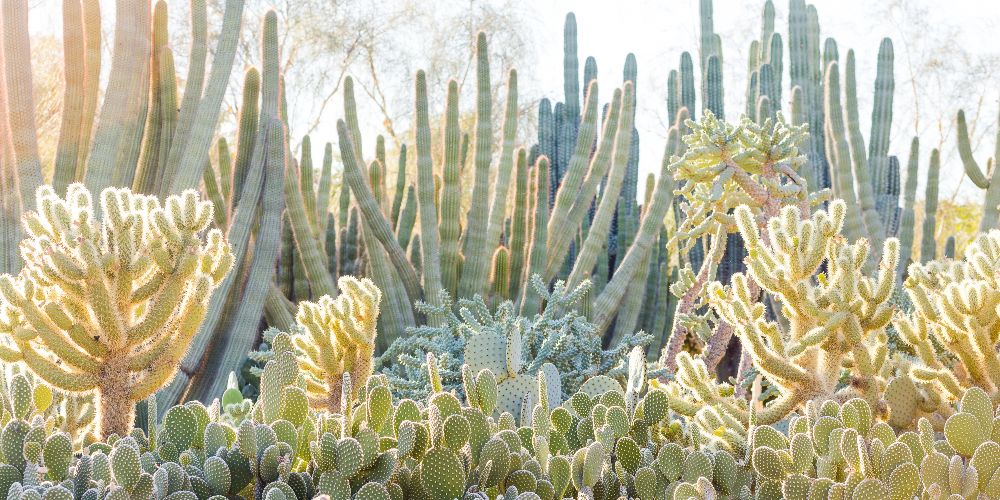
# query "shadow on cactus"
(508, 344)
(111, 304)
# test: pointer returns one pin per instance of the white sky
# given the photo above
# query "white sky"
(658, 31)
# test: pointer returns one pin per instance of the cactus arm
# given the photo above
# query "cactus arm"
(313, 260)
(862, 175)
(519, 224)
(351, 118)
(569, 188)
(610, 298)
(928, 242)
(399, 311)
(306, 185)
(429, 240)
(277, 309)
(123, 111)
(972, 168)
(147, 170)
(374, 218)
(229, 350)
(68, 149)
(597, 235)
(906, 225)
(531, 301)
(194, 86)
(323, 195)
(92, 42)
(639, 290)
(225, 160)
(407, 218)
(188, 171)
(839, 153)
(451, 194)
(246, 133)
(238, 236)
(474, 244)
(501, 185)
(397, 195)
(20, 103)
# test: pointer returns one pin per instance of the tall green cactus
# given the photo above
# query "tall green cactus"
(928, 244)
(978, 176)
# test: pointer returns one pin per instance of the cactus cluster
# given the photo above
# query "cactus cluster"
(427, 346)
(111, 304)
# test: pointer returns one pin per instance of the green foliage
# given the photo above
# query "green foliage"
(488, 339)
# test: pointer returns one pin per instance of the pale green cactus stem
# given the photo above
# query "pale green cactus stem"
(596, 170)
(634, 260)
(398, 310)
(991, 202)
(519, 225)
(174, 268)
(430, 268)
(907, 219)
(839, 153)
(238, 236)
(306, 185)
(500, 276)
(249, 119)
(474, 243)
(530, 299)
(190, 159)
(451, 193)
(162, 118)
(569, 187)
(863, 169)
(374, 218)
(597, 234)
(20, 112)
(309, 252)
(632, 301)
(401, 183)
(878, 145)
(74, 95)
(228, 350)
(323, 195)
(928, 243)
(501, 187)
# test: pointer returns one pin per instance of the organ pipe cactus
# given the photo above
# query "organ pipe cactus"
(111, 304)
(981, 178)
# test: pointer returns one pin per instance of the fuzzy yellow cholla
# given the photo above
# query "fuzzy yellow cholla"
(338, 338)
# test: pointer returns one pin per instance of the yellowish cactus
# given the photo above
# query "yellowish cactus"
(835, 315)
(111, 305)
(338, 338)
(956, 304)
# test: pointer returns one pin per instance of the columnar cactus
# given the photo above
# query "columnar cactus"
(338, 339)
(111, 304)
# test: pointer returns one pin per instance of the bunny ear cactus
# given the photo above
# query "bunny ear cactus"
(339, 338)
(111, 304)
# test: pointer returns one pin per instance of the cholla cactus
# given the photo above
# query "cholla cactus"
(955, 310)
(725, 166)
(111, 305)
(836, 318)
(339, 337)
